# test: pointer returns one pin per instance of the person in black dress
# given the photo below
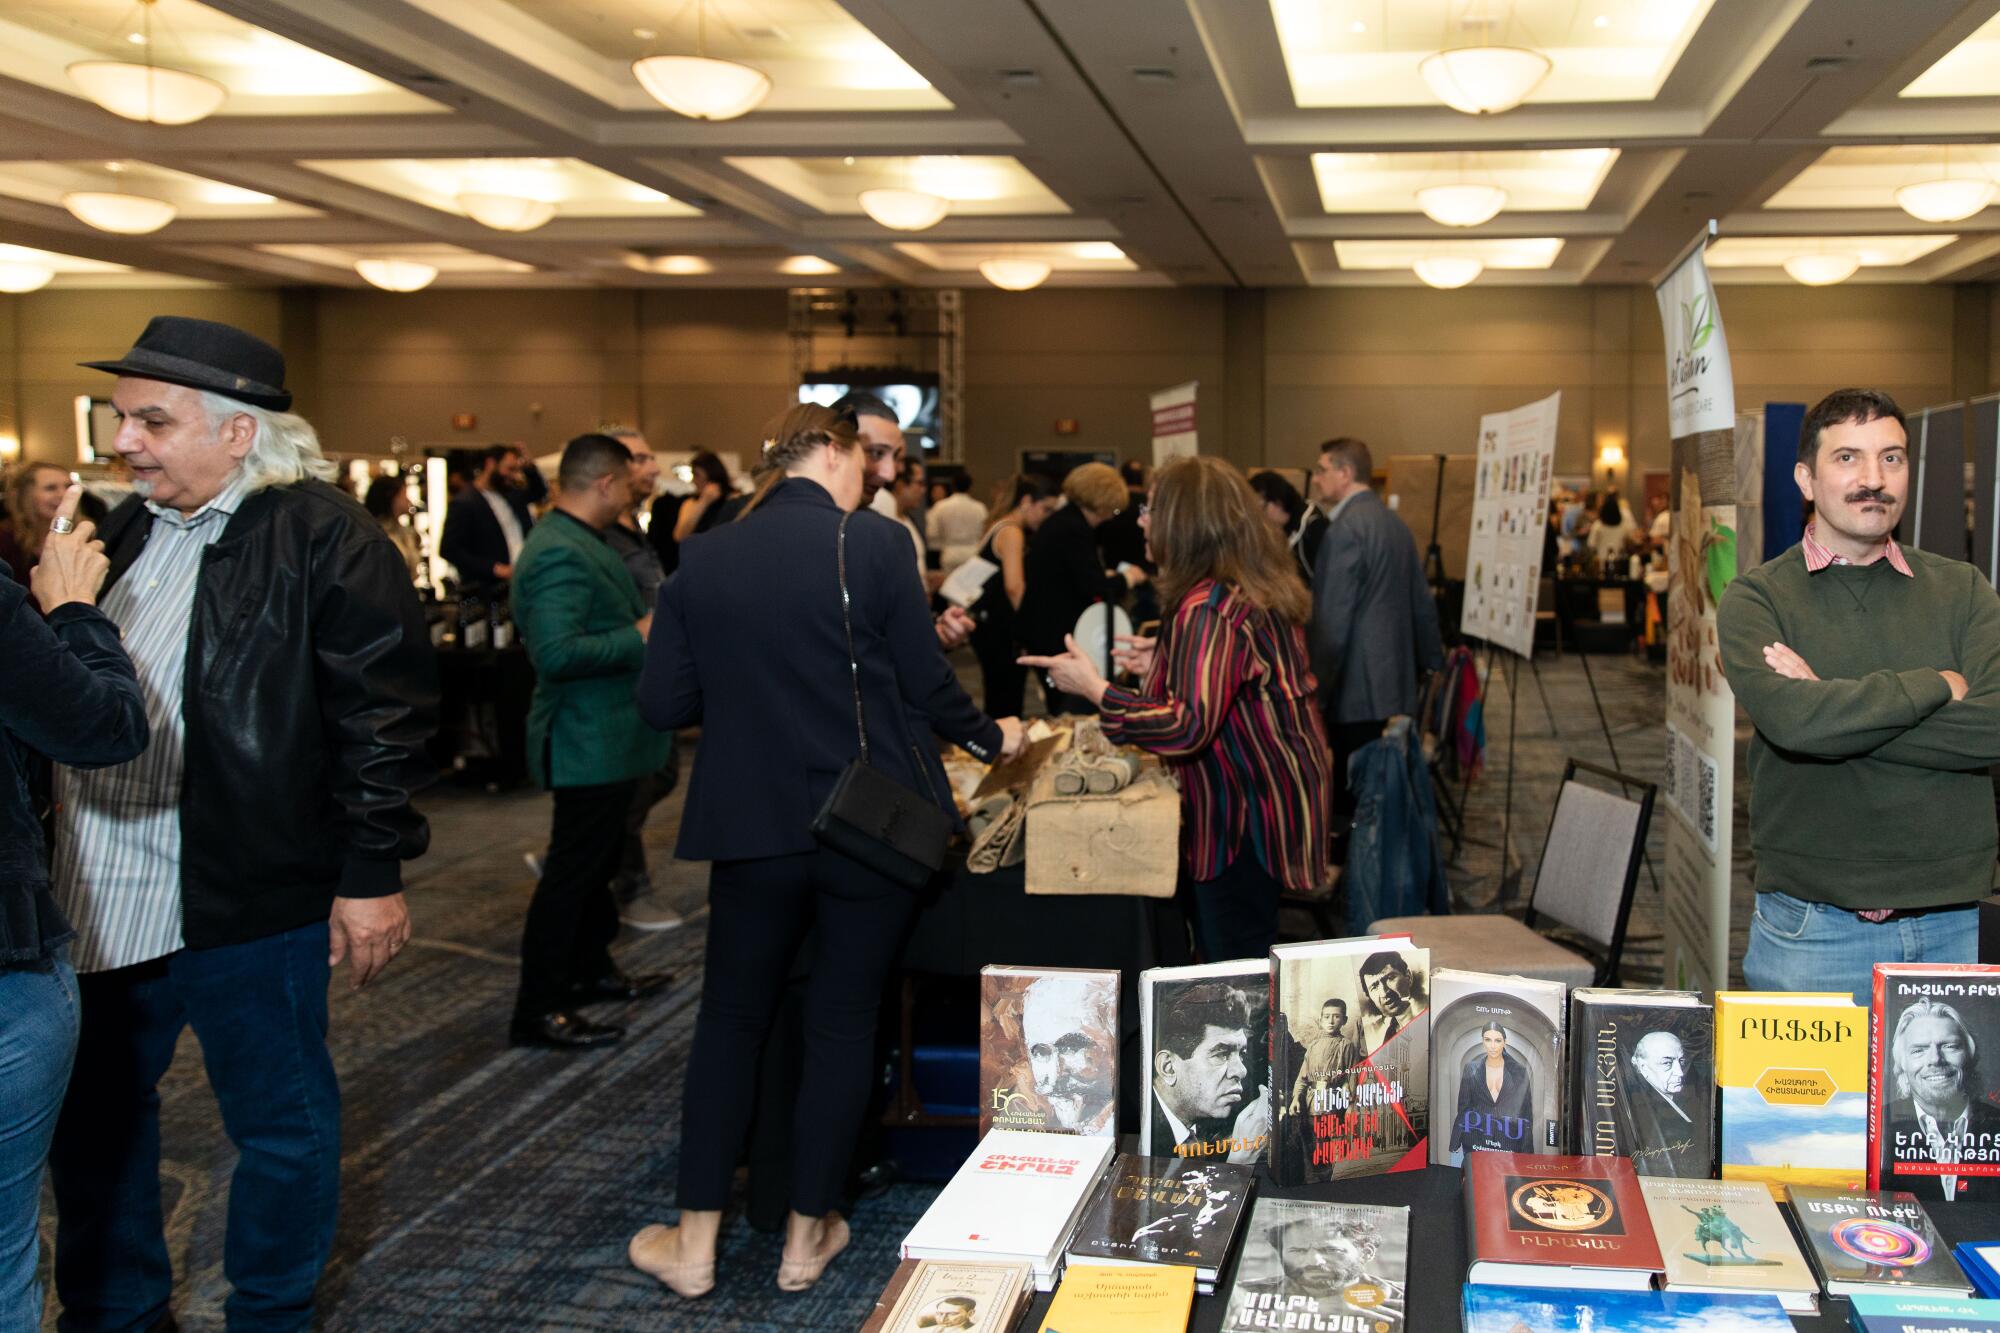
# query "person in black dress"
(995, 640)
(1066, 573)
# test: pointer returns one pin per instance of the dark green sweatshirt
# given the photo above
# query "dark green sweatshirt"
(1868, 786)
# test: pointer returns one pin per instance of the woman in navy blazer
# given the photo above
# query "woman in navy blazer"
(749, 641)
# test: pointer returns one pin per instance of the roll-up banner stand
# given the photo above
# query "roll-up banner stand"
(1983, 444)
(1937, 499)
(1702, 557)
(1784, 507)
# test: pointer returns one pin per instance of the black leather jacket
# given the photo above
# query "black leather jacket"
(310, 691)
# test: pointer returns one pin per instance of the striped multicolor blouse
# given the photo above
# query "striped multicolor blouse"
(1230, 706)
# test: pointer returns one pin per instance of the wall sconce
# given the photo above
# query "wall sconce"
(10, 448)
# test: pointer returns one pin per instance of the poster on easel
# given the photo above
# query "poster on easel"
(1173, 423)
(1699, 779)
(1510, 512)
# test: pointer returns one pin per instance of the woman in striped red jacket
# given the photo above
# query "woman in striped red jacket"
(1228, 700)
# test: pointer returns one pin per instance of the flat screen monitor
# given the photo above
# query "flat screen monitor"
(912, 394)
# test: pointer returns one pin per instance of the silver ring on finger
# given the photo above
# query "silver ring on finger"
(62, 525)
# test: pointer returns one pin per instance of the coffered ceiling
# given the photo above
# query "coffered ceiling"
(1121, 142)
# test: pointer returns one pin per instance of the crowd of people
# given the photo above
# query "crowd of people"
(218, 697)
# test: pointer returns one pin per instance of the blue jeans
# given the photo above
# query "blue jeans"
(259, 1011)
(38, 1026)
(1800, 945)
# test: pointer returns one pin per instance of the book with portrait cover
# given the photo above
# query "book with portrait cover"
(1873, 1240)
(1321, 1268)
(1350, 1058)
(1529, 1310)
(1164, 1210)
(1876, 1312)
(1792, 1070)
(1015, 1200)
(1205, 1033)
(925, 1295)
(1727, 1236)
(1640, 1076)
(1535, 1221)
(1094, 1298)
(1933, 1110)
(1048, 1049)
(1496, 1064)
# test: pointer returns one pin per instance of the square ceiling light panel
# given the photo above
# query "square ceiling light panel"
(1771, 252)
(578, 189)
(1549, 180)
(981, 186)
(1869, 177)
(1496, 253)
(818, 56)
(1970, 69)
(1060, 256)
(443, 258)
(191, 196)
(265, 74)
(1356, 53)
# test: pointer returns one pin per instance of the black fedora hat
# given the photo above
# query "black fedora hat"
(202, 354)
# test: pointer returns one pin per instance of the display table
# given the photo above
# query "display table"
(1437, 1246)
(977, 919)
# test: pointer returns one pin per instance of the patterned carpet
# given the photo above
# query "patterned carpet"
(491, 1189)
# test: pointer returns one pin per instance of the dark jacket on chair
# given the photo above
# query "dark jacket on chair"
(1374, 626)
(749, 642)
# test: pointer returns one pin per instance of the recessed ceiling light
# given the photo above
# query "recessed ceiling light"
(846, 161)
(1601, 21)
(644, 34)
(114, 166)
(1357, 27)
(136, 38)
(682, 266)
(808, 266)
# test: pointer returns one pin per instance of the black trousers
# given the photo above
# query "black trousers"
(1236, 913)
(1006, 679)
(759, 913)
(571, 918)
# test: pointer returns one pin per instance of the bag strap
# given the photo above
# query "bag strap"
(847, 622)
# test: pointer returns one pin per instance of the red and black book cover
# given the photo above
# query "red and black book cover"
(1933, 1111)
(1557, 1212)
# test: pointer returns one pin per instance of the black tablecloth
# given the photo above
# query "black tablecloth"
(1437, 1247)
(973, 920)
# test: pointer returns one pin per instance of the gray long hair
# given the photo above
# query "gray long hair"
(285, 449)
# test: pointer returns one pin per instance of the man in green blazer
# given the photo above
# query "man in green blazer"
(584, 626)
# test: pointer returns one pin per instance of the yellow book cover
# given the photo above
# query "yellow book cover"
(1793, 1070)
(1095, 1298)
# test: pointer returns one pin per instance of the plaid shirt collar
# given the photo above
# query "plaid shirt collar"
(1818, 557)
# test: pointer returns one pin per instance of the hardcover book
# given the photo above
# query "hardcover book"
(1205, 1033)
(1727, 1236)
(1876, 1313)
(1015, 1200)
(1321, 1266)
(1164, 1210)
(1096, 1299)
(1933, 1121)
(1526, 1310)
(1535, 1221)
(1981, 1261)
(1640, 1080)
(1792, 1067)
(1048, 1049)
(1496, 1064)
(1350, 1052)
(1873, 1241)
(927, 1295)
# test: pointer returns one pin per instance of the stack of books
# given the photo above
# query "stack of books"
(1171, 1211)
(1016, 1200)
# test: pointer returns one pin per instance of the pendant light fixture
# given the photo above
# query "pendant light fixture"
(17, 277)
(148, 92)
(1015, 274)
(699, 86)
(1948, 198)
(1448, 271)
(124, 214)
(904, 210)
(396, 275)
(1823, 268)
(1485, 80)
(505, 212)
(1461, 205)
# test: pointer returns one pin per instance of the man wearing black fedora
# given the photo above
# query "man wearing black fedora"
(217, 879)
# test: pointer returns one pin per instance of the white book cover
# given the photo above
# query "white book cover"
(1016, 1199)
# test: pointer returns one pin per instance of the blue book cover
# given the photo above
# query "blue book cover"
(1883, 1312)
(1981, 1261)
(1491, 1309)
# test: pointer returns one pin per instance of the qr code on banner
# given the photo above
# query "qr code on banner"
(1704, 801)
(1670, 786)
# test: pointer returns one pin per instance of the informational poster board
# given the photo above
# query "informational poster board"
(1701, 561)
(1510, 509)
(1173, 423)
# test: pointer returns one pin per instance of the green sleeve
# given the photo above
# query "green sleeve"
(1965, 733)
(1830, 719)
(553, 593)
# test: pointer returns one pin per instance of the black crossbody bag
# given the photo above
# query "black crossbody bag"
(869, 816)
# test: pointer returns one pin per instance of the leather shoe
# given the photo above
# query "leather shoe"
(616, 985)
(561, 1031)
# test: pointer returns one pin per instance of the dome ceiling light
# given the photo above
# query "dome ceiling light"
(699, 86)
(1461, 205)
(396, 275)
(17, 278)
(1947, 199)
(1447, 271)
(1824, 269)
(505, 212)
(144, 91)
(1485, 80)
(1015, 274)
(124, 214)
(904, 210)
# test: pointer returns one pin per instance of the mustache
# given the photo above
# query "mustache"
(1865, 494)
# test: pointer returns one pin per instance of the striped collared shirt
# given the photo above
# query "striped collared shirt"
(118, 830)
(1818, 557)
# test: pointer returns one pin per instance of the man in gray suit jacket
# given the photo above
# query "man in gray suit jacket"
(1375, 627)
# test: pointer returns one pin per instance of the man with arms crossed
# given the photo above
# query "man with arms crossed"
(1872, 673)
